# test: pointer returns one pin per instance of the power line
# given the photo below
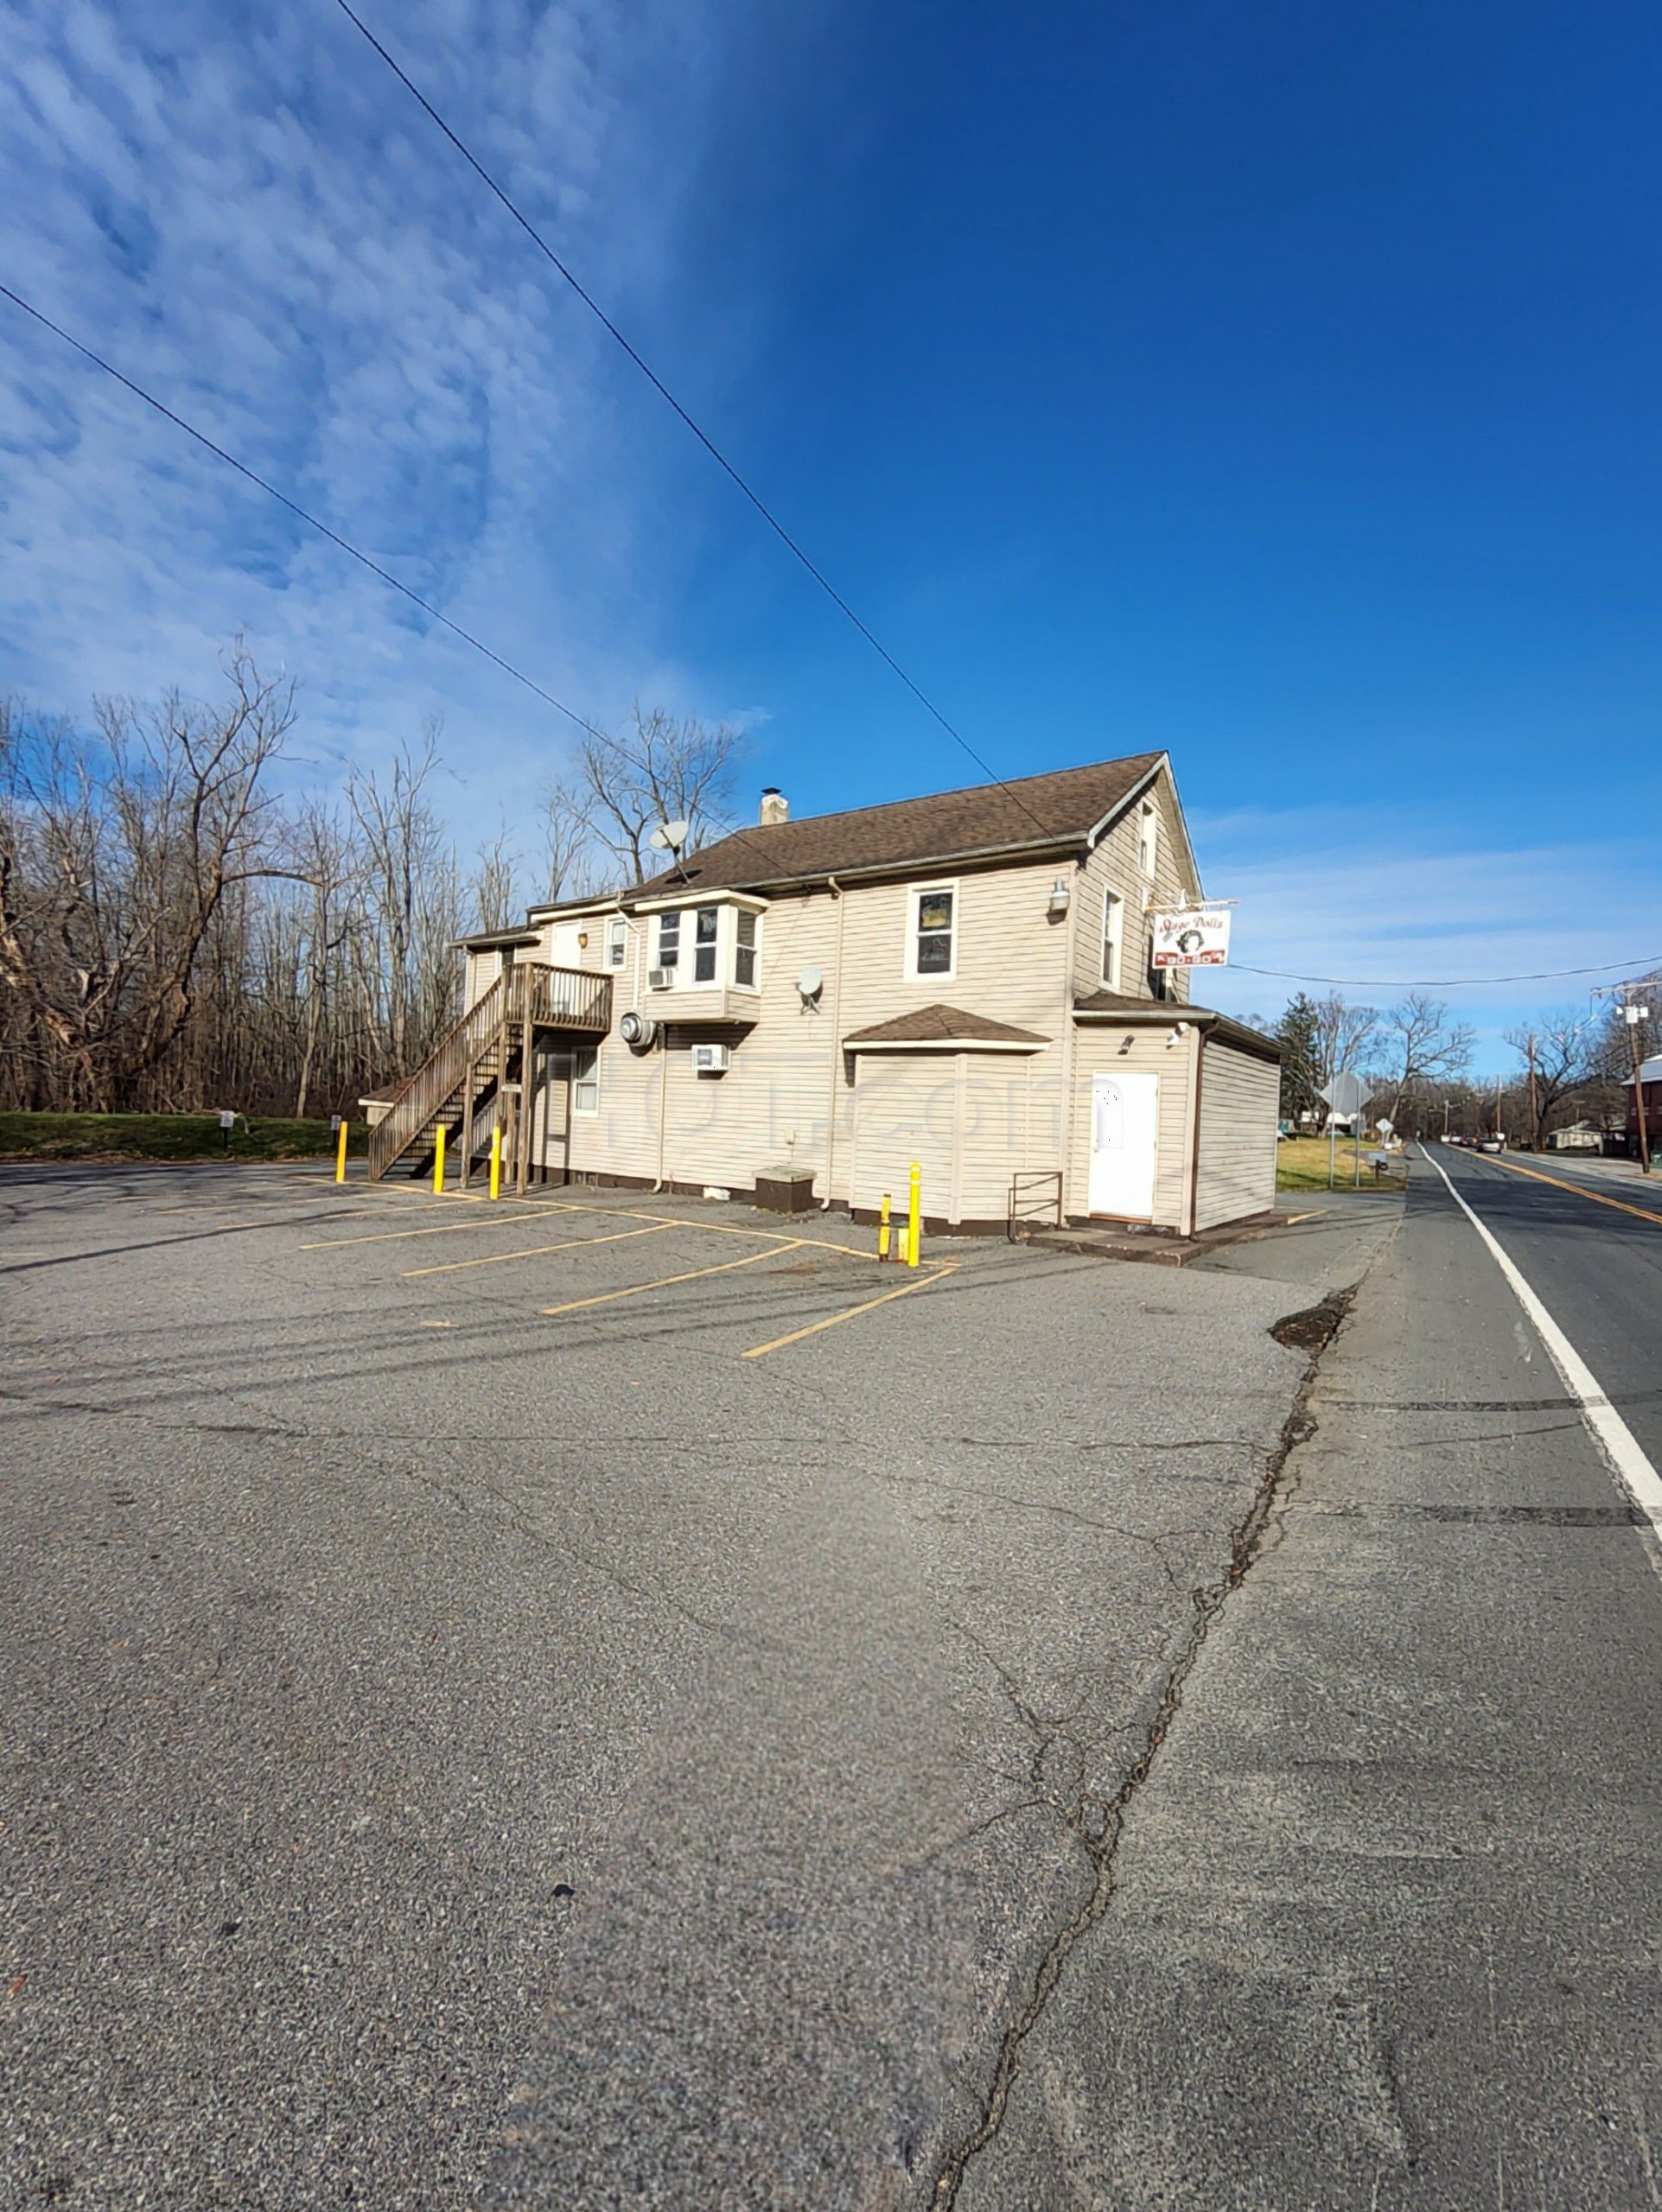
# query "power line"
(294, 508)
(1431, 982)
(785, 875)
(663, 392)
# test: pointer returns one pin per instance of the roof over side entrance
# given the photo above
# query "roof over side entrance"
(934, 1027)
(1114, 1006)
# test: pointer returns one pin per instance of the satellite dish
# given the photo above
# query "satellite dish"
(811, 982)
(669, 836)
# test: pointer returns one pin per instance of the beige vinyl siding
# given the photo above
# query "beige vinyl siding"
(788, 1081)
(482, 970)
(963, 1117)
(1112, 866)
(1240, 1100)
(1104, 1050)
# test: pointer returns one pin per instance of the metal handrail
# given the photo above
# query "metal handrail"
(1023, 1202)
(530, 991)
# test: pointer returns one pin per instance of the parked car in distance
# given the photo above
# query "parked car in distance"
(1491, 1144)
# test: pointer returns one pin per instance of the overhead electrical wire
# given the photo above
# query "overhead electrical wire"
(1438, 983)
(793, 545)
(778, 874)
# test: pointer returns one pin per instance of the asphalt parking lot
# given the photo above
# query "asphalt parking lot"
(599, 1699)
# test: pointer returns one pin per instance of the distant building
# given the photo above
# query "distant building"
(1650, 1075)
(1580, 1136)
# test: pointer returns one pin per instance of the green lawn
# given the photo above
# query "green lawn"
(1302, 1165)
(166, 1136)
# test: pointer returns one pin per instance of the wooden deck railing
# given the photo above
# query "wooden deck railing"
(549, 998)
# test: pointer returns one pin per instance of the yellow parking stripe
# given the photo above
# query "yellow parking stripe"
(831, 1320)
(717, 1227)
(663, 1283)
(537, 1251)
(440, 1229)
(1580, 1190)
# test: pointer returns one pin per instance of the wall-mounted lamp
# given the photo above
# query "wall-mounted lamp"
(1060, 895)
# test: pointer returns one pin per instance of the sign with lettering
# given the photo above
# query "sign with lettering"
(1191, 936)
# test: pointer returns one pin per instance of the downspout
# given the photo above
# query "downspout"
(1070, 1032)
(1192, 1206)
(663, 1102)
(837, 1015)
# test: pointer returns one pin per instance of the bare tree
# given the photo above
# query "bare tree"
(571, 866)
(1562, 1051)
(116, 856)
(1341, 1037)
(665, 769)
(1419, 1045)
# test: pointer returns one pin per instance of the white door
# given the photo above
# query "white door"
(567, 953)
(1123, 1115)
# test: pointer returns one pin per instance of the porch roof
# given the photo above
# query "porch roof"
(946, 1027)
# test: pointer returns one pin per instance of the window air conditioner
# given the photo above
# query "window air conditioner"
(711, 1059)
(660, 979)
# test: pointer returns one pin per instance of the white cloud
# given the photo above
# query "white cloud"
(1397, 895)
(251, 217)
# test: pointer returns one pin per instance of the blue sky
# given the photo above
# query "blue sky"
(1276, 385)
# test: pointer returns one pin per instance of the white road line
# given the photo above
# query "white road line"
(1633, 1469)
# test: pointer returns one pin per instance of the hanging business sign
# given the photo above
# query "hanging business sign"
(1193, 936)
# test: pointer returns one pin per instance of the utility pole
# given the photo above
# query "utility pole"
(1534, 1117)
(1635, 1015)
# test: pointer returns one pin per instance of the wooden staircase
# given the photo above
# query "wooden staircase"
(477, 1076)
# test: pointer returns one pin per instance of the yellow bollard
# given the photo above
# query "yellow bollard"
(913, 1219)
(340, 1154)
(496, 1162)
(438, 1162)
(882, 1228)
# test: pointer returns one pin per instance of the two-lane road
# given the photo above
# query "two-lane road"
(1590, 1248)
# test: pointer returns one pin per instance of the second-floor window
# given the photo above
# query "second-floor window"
(1148, 837)
(1113, 924)
(669, 938)
(617, 942)
(934, 932)
(706, 929)
(744, 950)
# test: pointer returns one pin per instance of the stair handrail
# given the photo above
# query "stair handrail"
(529, 991)
(417, 1099)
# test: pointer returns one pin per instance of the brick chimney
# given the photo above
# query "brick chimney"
(776, 807)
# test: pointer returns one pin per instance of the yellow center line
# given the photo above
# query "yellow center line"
(831, 1320)
(536, 1251)
(1580, 1190)
(693, 1274)
(439, 1228)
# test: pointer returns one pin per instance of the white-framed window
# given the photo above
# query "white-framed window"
(617, 942)
(1147, 836)
(706, 943)
(744, 948)
(932, 932)
(669, 938)
(1113, 931)
(585, 1079)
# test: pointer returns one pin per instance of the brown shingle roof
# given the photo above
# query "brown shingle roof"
(1038, 811)
(943, 1024)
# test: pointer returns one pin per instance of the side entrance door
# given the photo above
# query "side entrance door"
(567, 951)
(1124, 1120)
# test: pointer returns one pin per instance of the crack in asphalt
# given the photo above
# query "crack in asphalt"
(1312, 1331)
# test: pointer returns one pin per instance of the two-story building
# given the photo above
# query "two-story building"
(963, 980)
